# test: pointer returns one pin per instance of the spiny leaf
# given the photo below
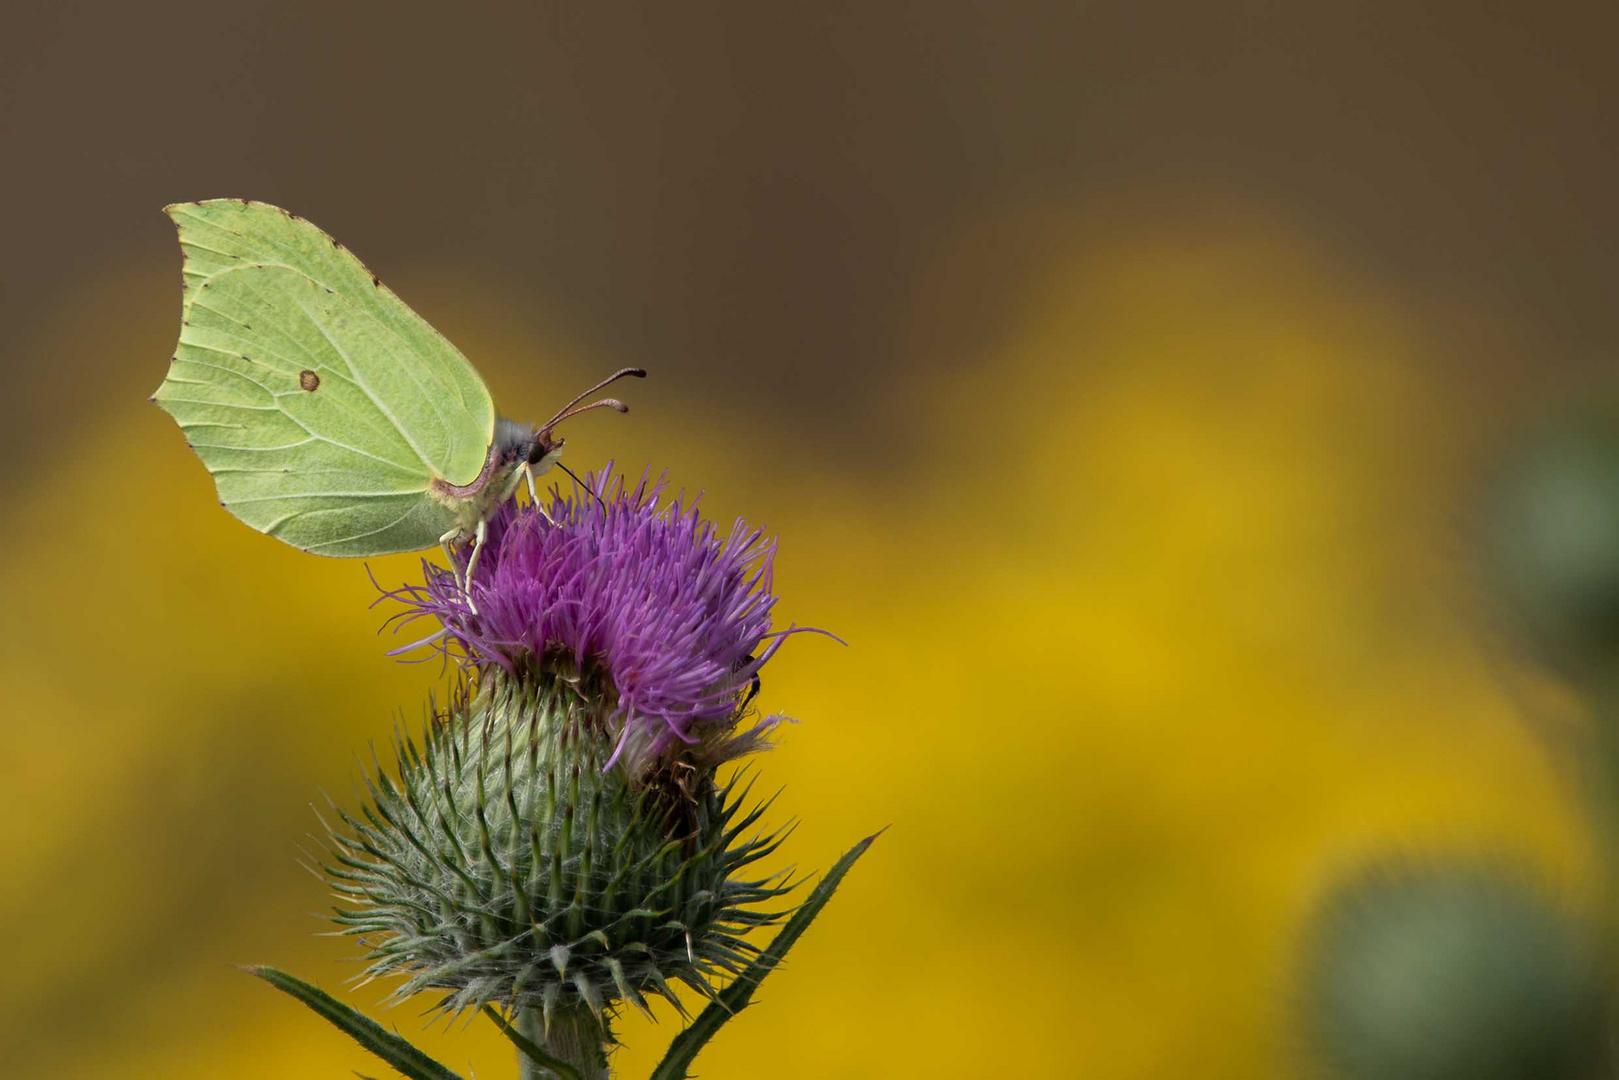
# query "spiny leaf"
(531, 1049)
(735, 997)
(362, 1029)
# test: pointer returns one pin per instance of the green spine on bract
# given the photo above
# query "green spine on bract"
(504, 865)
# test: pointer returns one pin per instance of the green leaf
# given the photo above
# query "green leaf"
(362, 1029)
(735, 997)
(532, 1049)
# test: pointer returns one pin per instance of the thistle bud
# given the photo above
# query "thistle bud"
(1439, 973)
(1553, 543)
(559, 841)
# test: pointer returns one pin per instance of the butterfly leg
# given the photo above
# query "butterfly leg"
(480, 534)
(534, 495)
(448, 542)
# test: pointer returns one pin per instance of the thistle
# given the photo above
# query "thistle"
(559, 843)
(1433, 972)
(634, 590)
(1552, 544)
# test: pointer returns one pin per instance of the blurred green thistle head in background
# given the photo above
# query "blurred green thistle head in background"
(1551, 541)
(1452, 972)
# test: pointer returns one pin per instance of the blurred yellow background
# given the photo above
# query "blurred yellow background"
(1119, 378)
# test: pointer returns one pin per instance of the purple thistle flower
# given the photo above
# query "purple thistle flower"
(631, 586)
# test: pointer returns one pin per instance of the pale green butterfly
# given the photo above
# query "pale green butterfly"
(331, 415)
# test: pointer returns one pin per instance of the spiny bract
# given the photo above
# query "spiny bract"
(506, 865)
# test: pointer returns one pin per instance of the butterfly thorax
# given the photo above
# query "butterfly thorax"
(514, 447)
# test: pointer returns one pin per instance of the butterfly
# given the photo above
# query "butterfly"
(330, 415)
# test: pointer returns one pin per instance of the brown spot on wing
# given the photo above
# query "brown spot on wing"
(308, 380)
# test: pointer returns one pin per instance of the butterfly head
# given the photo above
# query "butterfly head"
(524, 444)
(525, 448)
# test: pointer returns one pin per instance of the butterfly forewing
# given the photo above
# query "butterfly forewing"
(323, 407)
(223, 234)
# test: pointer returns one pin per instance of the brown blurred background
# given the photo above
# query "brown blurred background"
(1119, 376)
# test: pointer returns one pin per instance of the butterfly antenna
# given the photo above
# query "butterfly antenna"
(605, 403)
(581, 483)
(567, 410)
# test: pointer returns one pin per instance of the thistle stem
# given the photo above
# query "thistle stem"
(575, 1037)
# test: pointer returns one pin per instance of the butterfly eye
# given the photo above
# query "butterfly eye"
(542, 446)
